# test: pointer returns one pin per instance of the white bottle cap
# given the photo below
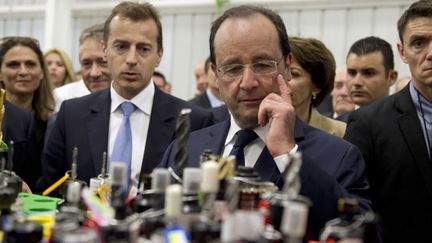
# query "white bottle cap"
(294, 219)
(160, 179)
(210, 177)
(191, 180)
(173, 201)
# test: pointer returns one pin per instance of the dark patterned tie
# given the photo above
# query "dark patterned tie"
(244, 137)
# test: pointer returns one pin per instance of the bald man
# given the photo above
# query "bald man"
(341, 100)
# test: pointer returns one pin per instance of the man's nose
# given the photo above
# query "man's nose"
(248, 79)
(357, 80)
(94, 72)
(131, 59)
(429, 52)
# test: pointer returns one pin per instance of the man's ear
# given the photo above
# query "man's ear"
(401, 51)
(160, 54)
(392, 77)
(213, 67)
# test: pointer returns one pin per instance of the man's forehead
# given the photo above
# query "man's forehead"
(365, 60)
(418, 27)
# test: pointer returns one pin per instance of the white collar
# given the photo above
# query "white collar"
(234, 128)
(143, 100)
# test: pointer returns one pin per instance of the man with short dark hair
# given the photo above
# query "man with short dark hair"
(252, 74)
(133, 121)
(395, 134)
(370, 69)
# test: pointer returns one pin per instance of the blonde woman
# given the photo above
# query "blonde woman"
(59, 66)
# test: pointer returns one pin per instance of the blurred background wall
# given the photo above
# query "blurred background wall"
(186, 26)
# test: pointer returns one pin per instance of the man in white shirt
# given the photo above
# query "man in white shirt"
(133, 49)
(94, 69)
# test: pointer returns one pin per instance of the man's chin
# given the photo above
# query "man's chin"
(99, 86)
(361, 101)
(246, 120)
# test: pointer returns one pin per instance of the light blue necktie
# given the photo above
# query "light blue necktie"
(122, 150)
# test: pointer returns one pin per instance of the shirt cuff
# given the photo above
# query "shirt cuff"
(282, 160)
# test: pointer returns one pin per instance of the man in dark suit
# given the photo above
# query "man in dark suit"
(395, 134)
(252, 74)
(210, 98)
(133, 49)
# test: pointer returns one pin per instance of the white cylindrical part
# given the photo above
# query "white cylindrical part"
(294, 219)
(73, 194)
(94, 184)
(173, 201)
(160, 179)
(210, 177)
(191, 180)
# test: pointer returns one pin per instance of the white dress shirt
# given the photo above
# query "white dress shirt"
(253, 150)
(69, 91)
(139, 121)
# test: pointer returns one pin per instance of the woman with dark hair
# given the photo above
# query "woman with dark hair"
(22, 70)
(313, 72)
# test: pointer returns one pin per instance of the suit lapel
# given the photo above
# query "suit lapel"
(98, 127)
(410, 126)
(217, 136)
(161, 127)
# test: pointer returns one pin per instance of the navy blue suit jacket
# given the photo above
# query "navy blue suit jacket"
(332, 168)
(19, 126)
(84, 123)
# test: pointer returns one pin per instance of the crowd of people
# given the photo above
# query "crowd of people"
(370, 145)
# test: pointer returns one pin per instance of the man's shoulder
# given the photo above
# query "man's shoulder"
(380, 108)
(198, 98)
(102, 96)
(177, 103)
(317, 136)
(218, 127)
(71, 90)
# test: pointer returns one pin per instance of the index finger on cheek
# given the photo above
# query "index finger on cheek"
(283, 88)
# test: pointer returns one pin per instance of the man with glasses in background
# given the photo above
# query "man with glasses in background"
(252, 74)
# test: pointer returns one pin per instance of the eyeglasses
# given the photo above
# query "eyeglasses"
(233, 72)
(19, 39)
